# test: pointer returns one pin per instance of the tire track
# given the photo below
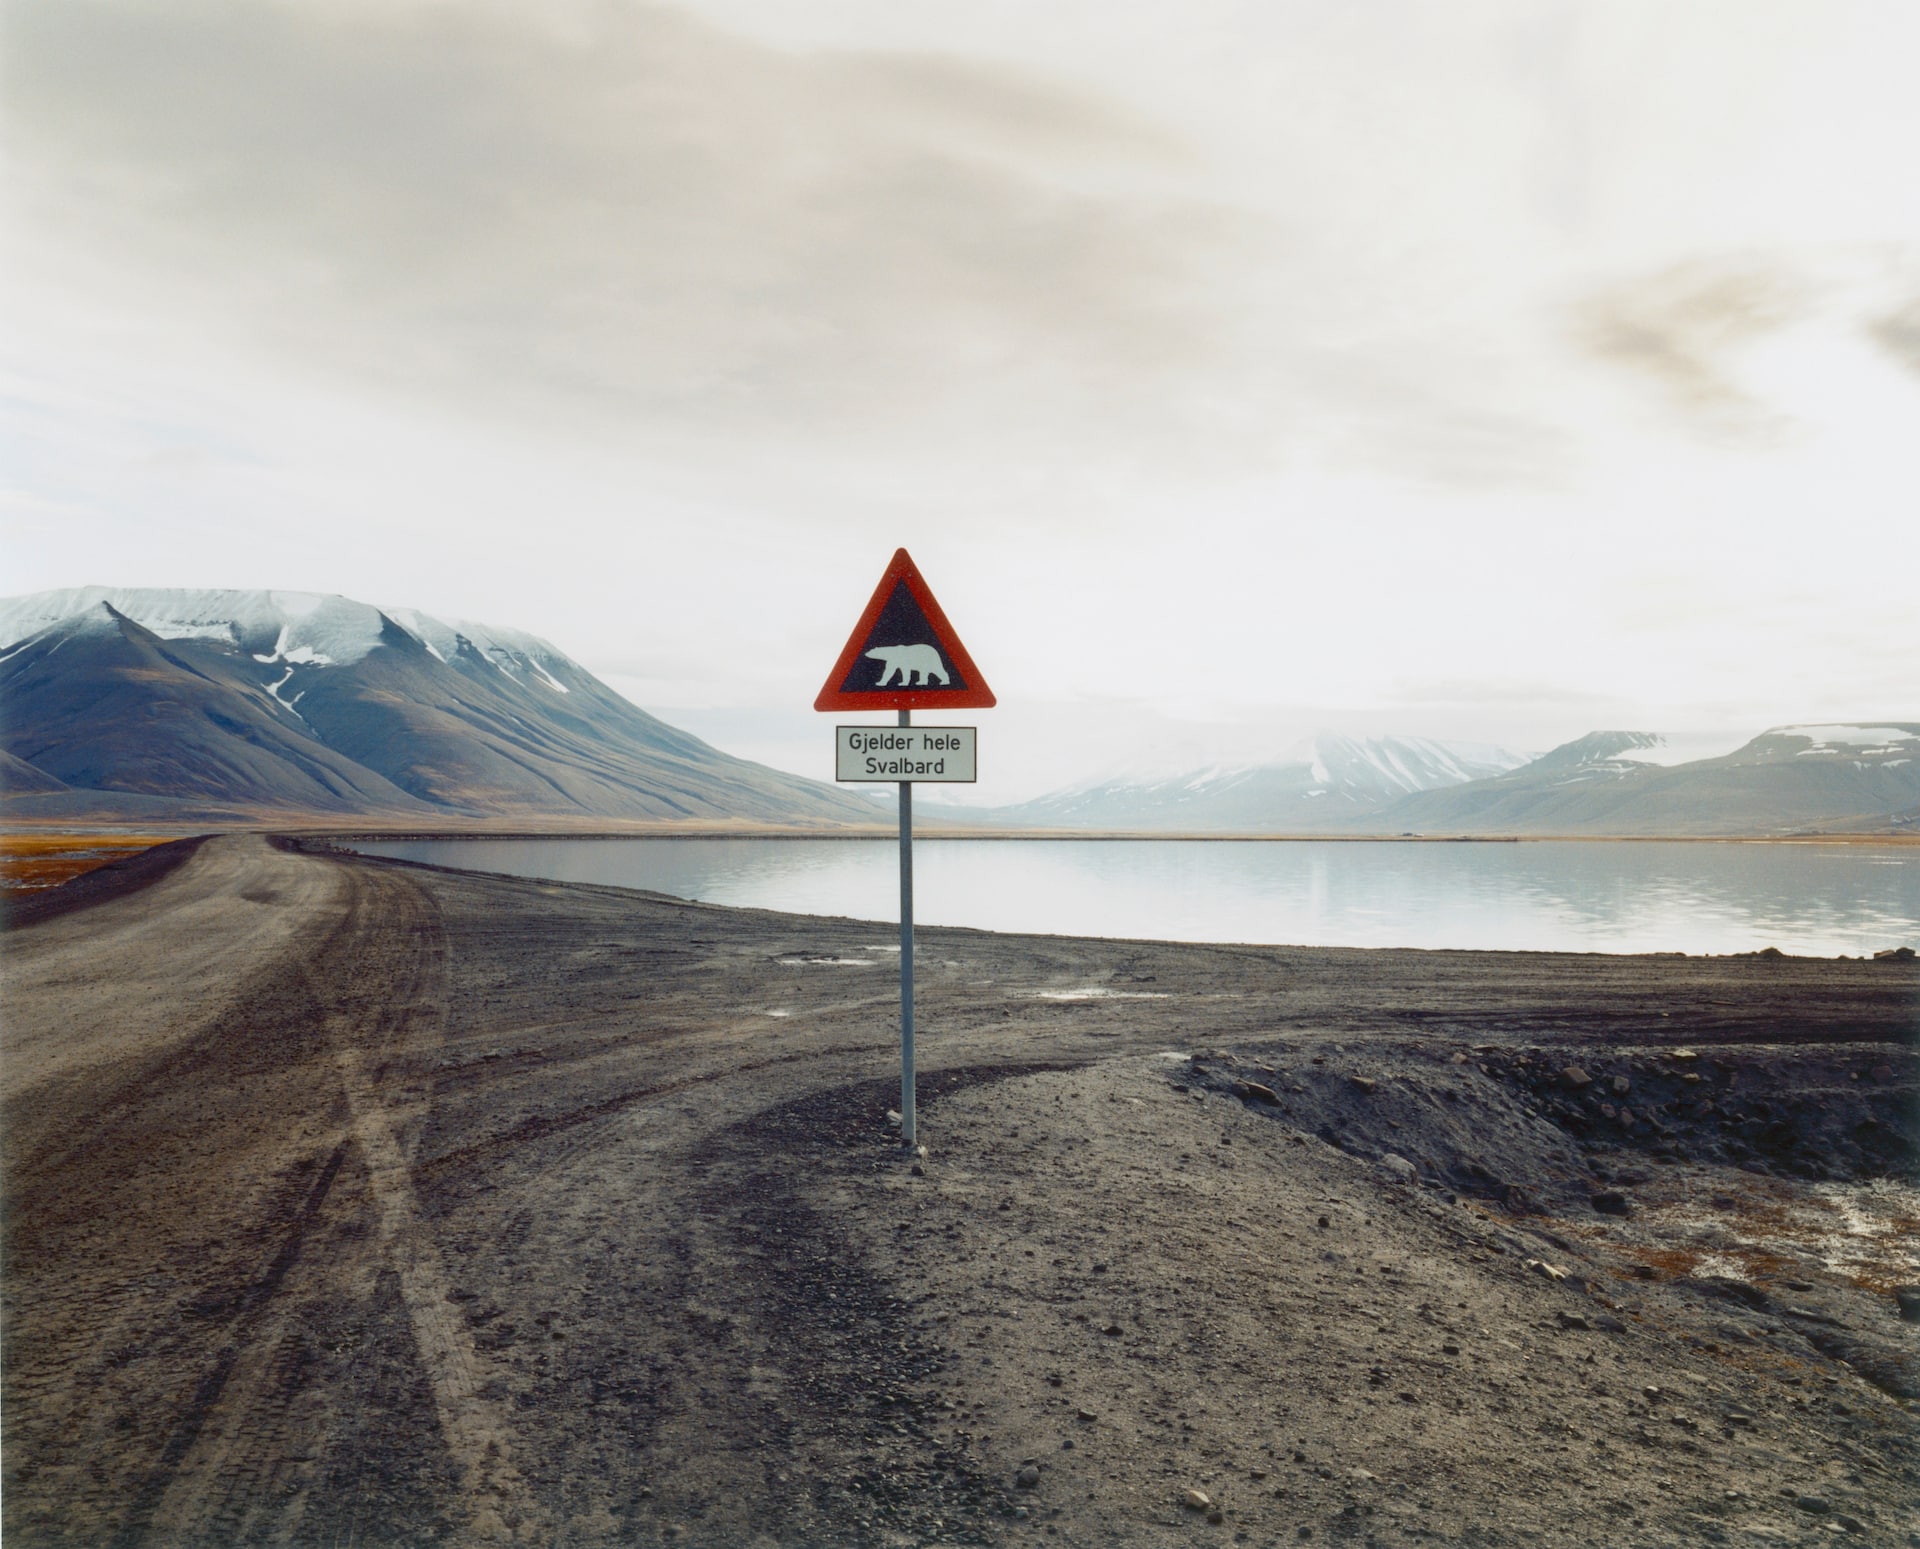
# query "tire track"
(238, 1479)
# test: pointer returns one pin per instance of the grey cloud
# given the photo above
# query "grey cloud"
(612, 208)
(1677, 327)
(1898, 333)
(613, 219)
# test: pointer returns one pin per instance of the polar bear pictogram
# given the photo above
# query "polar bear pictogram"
(908, 663)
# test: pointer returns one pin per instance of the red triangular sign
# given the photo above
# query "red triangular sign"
(903, 654)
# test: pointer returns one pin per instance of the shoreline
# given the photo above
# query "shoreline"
(17, 829)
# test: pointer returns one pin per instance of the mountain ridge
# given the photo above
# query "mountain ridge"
(225, 705)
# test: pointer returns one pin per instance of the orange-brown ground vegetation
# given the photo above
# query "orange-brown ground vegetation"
(47, 860)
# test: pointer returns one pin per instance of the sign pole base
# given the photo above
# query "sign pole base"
(906, 955)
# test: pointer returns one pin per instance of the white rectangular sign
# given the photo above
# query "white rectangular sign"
(877, 755)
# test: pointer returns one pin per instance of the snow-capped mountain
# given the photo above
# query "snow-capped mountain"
(156, 703)
(1620, 782)
(1322, 783)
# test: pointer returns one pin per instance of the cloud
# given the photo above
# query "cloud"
(614, 211)
(1682, 328)
(614, 220)
(1898, 333)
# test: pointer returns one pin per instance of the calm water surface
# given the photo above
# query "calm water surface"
(1818, 900)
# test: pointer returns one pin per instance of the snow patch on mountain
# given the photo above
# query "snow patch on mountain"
(1833, 740)
(306, 629)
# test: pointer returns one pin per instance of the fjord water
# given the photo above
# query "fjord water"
(1549, 895)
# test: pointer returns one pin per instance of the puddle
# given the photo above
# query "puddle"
(1099, 992)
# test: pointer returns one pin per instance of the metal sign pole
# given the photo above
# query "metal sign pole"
(906, 953)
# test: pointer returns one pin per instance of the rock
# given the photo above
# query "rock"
(1818, 1505)
(1257, 1092)
(1085, 1415)
(1894, 955)
(1621, 1086)
(1606, 1323)
(1626, 1117)
(1882, 1074)
(1542, 1267)
(1459, 1059)
(1197, 1500)
(1611, 1202)
(893, 1117)
(918, 1171)
(1573, 1320)
(1323, 1222)
(1028, 1478)
(1399, 1167)
(1112, 1331)
(1216, 1516)
(1363, 1084)
(1908, 1297)
(1574, 1079)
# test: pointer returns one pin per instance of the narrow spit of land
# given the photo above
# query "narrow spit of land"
(349, 1202)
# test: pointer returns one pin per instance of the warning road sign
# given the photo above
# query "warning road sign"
(903, 654)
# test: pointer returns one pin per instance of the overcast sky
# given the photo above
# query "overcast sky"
(1490, 370)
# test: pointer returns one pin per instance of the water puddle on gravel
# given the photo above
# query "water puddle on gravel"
(1099, 992)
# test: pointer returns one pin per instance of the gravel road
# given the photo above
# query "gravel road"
(356, 1203)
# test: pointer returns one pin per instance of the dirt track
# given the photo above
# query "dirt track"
(354, 1203)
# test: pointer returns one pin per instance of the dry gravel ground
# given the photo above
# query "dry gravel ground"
(355, 1203)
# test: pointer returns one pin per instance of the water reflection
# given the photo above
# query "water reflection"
(1547, 896)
